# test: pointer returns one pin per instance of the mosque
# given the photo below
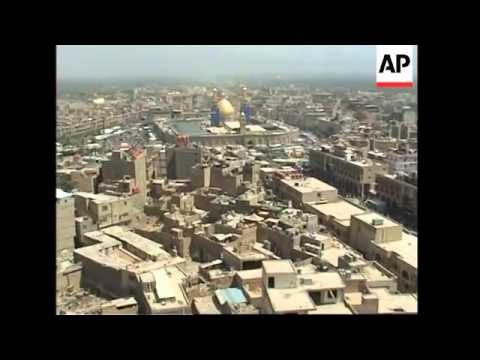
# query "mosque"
(227, 125)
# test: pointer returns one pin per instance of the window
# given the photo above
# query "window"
(104, 208)
(271, 282)
(405, 275)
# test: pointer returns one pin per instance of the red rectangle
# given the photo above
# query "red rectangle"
(395, 84)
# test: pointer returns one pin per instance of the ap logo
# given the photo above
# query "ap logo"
(394, 66)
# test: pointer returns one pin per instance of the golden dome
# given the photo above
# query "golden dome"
(225, 108)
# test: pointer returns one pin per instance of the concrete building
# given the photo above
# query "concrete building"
(230, 301)
(246, 257)
(287, 291)
(383, 240)
(351, 177)
(84, 180)
(113, 264)
(105, 210)
(184, 157)
(401, 161)
(372, 289)
(201, 176)
(335, 216)
(305, 191)
(163, 292)
(122, 306)
(283, 235)
(65, 221)
(397, 193)
(131, 164)
(68, 277)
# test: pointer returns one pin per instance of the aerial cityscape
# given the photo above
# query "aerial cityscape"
(246, 190)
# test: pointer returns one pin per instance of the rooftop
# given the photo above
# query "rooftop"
(370, 216)
(127, 237)
(332, 309)
(321, 281)
(168, 291)
(279, 267)
(407, 248)
(205, 305)
(389, 303)
(340, 210)
(250, 274)
(98, 198)
(308, 185)
(290, 300)
(230, 296)
(247, 255)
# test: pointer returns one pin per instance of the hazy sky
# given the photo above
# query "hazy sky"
(207, 61)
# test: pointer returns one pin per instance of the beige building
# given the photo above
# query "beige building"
(163, 292)
(124, 165)
(65, 221)
(121, 306)
(336, 216)
(105, 210)
(82, 180)
(288, 290)
(307, 190)
(118, 258)
(372, 289)
(397, 193)
(351, 177)
(385, 241)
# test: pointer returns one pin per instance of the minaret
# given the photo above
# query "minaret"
(242, 123)
(244, 105)
(214, 112)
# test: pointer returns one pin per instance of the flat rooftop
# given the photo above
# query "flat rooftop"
(98, 198)
(205, 305)
(250, 274)
(308, 185)
(321, 281)
(331, 309)
(139, 242)
(278, 267)
(331, 254)
(370, 216)
(389, 303)
(372, 273)
(247, 255)
(167, 287)
(290, 300)
(407, 248)
(340, 210)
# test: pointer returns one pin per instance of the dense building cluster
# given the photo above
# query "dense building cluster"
(237, 201)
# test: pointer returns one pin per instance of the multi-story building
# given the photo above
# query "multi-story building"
(104, 210)
(397, 192)
(350, 176)
(65, 209)
(287, 291)
(406, 161)
(128, 164)
(306, 190)
(116, 260)
(384, 241)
